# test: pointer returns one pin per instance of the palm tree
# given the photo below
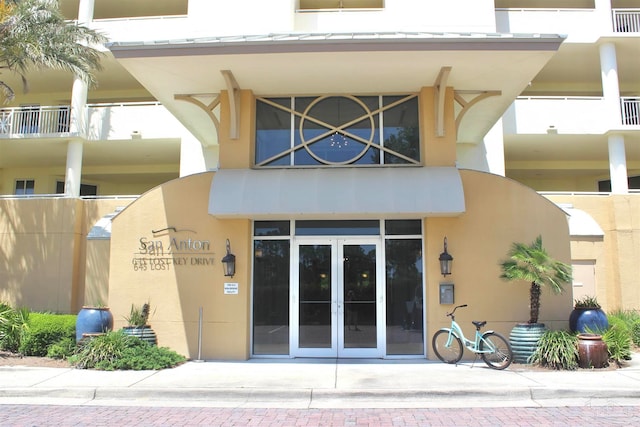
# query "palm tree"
(533, 264)
(34, 35)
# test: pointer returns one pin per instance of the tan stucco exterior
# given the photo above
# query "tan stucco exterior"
(178, 282)
(616, 255)
(43, 251)
(165, 249)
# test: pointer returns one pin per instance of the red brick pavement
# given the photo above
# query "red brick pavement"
(46, 415)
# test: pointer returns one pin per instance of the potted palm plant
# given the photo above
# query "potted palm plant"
(532, 264)
(138, 323)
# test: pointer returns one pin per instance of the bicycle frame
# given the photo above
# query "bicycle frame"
(473, 346)
(493, 348)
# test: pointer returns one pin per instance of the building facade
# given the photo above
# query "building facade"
(336, 149)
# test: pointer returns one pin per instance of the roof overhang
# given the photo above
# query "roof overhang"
(347, 193)
(354, 63)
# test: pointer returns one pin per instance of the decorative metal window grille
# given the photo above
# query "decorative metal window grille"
(337, 130)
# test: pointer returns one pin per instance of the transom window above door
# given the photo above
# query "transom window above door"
(337, 130)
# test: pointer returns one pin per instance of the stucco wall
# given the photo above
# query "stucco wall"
(42, 250)
(177, 282)
(617, 268)
(499, 211)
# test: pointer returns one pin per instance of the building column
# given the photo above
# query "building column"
(78, 125)
(74, 168)
(85, 11)
(618, 165)
(613, 117)
(605, 15)
(194, 157)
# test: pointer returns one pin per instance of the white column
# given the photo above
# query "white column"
(78, 126)
(605, 15)
(618, 165)
(85, 11)
(74, 168)
(610, 85)
(494, 145)
(613, 117)
(194, 158)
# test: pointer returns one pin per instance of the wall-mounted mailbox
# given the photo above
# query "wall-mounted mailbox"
(446, 293)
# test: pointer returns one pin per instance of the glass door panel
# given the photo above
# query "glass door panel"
(315, 280)
(337, 304)
(359, 293)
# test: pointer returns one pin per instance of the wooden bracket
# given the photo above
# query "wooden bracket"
(233, 89)
(440, 88)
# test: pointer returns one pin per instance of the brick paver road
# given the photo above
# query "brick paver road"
(47, 415)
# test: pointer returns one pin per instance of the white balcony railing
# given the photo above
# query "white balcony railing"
(104, 121)
(626, 20)
(555, 114)
(630, 111)
(566, 115)
(34, 120)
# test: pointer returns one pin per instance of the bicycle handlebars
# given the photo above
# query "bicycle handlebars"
(454, 310)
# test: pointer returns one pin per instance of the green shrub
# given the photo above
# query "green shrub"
(115, 350)
(618, 340)
(46, 329)
(557, 350)
(635, 333)
(13, 325)
(63, 349)
(631, 318)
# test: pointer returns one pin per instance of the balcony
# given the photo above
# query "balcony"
(626, 20)
(630, 111)
(120, 121)
(579, 24)
(555, 114)
(567, 115)
(131, 120)
(34, 121)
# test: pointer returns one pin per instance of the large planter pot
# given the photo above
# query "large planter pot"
(524, 339)
(145, 333)
(592, 351)
(93, 320)
(584, 320)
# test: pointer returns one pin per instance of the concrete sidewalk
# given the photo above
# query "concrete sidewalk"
(304, 383)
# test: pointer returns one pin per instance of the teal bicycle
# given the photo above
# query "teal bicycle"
(492, 347)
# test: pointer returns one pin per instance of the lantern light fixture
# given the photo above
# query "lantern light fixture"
(445, 261)
(229, 262)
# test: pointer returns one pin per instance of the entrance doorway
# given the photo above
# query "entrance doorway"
(337, 298)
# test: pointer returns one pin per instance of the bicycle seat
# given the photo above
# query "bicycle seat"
(479, 324)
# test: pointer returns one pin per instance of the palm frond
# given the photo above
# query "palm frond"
(34, 35)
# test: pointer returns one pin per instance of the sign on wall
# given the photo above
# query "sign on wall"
(170, 248)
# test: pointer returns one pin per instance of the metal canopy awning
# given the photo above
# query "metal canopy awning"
(349, 193)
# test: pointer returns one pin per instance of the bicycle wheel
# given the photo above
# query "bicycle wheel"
(502, 356)
(448, 354)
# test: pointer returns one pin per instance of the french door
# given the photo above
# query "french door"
(337, 298)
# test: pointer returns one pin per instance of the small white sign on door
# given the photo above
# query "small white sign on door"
(230, 288)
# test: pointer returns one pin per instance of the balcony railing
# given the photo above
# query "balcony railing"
(630, 111)
(626, 20)
(34, 120)
(103, 121)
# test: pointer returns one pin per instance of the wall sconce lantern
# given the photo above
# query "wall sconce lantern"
(229, 261)
(445, 260)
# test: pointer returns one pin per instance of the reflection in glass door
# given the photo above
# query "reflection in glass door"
(337, 308)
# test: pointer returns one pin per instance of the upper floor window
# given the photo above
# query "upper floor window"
(337, 130)
(24, 186)
(315, 5)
